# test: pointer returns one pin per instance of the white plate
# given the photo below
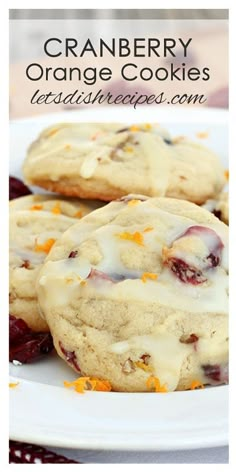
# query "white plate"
(42, 411)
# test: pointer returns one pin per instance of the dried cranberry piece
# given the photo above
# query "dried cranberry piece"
(185, 272)
(225, 373)
(73, 254)
(193, 338)
(214, 260)
(213, 372)
(17, 188)
(217, 213)
(145, 358)
(212, 241)
(190, 273)
(114, 278)
(26, 345)
(98, 274)
(26, 264)
(17, 329)
(32, 348)
(70, 357)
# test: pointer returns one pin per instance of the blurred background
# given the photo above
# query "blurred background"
(29, 28)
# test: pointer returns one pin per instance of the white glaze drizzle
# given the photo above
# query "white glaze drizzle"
(167, 354)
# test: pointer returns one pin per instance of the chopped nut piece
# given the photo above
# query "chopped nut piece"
(128, 367)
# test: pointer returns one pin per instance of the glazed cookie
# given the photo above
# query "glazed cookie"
(36, 222)
(107, 161)
(220, 207)
(139, 289)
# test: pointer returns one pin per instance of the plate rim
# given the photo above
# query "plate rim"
(43, 434)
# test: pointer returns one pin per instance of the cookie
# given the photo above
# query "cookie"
(36, 222)
(108, 161)
(196, 173)
(219, 207)
(138, 289)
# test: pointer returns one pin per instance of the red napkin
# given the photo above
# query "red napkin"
(23, 453)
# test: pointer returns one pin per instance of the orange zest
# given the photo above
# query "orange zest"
(153, 384)
(13, 384)
(148, 275)
(56, 210)
(128, 149)
(83, 283)
(149, 228)
(78, 214)
(133, 202)
(52, 132)
(134, 237)
(134, 128)
(82, 384)
(196, 384)
(67, 147)
(226, 174)
(36, 207)
(143, 366)
(69, 280)
(45, 247)
(148, 126)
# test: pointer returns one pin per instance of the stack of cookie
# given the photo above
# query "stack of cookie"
(135, 292)
(36, 222)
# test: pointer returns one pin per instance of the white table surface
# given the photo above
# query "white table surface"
(218, 455)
